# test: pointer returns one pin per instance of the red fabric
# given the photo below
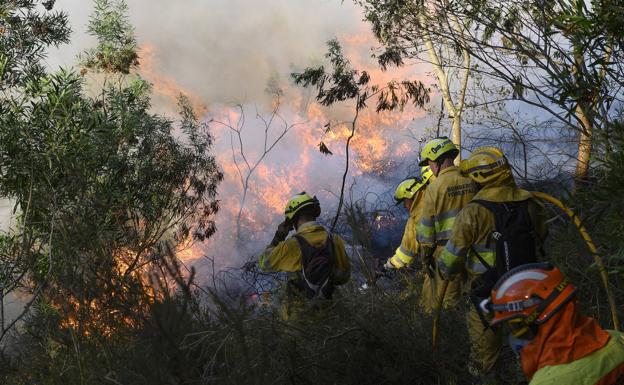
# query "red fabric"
(615, 377)
(564, 338)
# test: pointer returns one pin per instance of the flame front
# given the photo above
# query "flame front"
(294, 164)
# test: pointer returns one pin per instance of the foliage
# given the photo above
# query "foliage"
(555, 56)
(365, 338)
(116, 49)
(345, 83)
(602, 200)
(559, 40)
(106, 189)
(401, 27)
(424, 31)
(24, 34)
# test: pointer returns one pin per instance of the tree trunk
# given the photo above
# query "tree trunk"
(455, 109)
(584, 145)
(456, 135)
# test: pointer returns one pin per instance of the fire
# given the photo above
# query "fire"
(189, 250)
(294, 164)
(163, 85)
(87, 316)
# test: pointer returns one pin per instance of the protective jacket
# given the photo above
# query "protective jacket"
(443, 200)
(474, 226)
(405, 253)
(573, 349)
(286, 256)
(473, 230)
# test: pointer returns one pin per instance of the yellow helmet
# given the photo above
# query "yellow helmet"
(486, 164)
(426, 174)
(299, 201)
(410, 186)
(435, 148)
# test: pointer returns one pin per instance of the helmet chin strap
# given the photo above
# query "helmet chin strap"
(517, 343)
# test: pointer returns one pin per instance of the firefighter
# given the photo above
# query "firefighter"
(442, 201)
(312, 249)
(409, 193)
(555, 342)
(472, 247)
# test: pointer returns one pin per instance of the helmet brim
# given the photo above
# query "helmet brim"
(424, 162)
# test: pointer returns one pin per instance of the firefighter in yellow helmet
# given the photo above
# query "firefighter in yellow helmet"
(410, 193)
(502, 227)
(315, 258)
(556, 343)
(442, 201)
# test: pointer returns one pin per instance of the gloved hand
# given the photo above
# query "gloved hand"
(428, 262)
(429, 266)
(381, 270)
(388, 265)
(250, 266)
(282, 232)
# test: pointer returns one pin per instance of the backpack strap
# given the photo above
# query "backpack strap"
(305, 246)
(480, 258)
(487, 205)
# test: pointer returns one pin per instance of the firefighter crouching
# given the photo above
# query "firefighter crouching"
(316, 259)
(557, 345)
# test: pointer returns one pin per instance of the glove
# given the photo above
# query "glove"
(282, 232)
(250, 266)
(429, 266)
(428, 262)
(388, 265)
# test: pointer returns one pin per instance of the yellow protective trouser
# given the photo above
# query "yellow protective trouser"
(485, 344)
(452, 298)
(290, 310)
(295, 305)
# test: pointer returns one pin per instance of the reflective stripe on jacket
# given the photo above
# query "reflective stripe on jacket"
(605, 366)
(474, 226)
(443, 200)
(404, 254)
(286, 256)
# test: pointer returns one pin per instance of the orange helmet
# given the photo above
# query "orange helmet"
(530, 293)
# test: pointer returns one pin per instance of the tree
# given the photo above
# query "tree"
(116, 52)
(408, 29)
(107, 191)
(25, 33)
(344, 83)
(562, 57)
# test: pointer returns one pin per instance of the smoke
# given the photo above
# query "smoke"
(225, 51)
(222, 53)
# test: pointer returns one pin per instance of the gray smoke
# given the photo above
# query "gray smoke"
(224, 50)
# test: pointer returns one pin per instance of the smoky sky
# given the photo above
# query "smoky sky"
(224, 50)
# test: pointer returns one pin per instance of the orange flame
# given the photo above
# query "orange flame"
(297, 165)
(163, 85)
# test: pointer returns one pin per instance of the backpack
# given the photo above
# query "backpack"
(514, 235)
(317, 266)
